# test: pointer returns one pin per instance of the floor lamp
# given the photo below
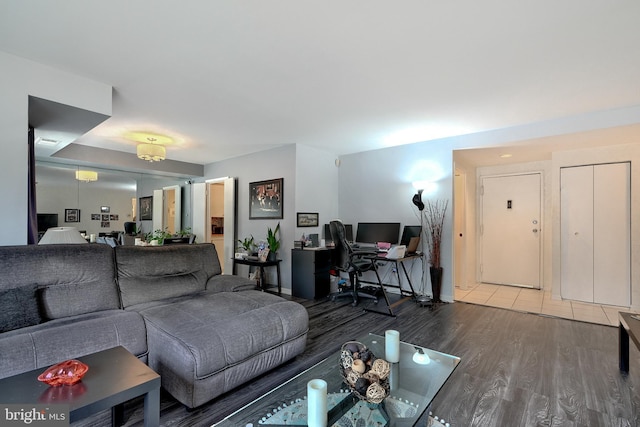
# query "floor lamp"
(421, 299)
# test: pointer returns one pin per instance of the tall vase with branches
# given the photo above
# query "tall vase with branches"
(434, 215)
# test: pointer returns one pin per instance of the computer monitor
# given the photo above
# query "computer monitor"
(47, 221)
(328, 240)
(374, 232)
(408, 232)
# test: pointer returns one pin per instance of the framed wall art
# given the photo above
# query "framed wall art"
(72, 215)
(307, 219)
(265, 199)
(146, 208)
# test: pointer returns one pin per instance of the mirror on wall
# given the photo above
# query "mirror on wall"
(96, 200)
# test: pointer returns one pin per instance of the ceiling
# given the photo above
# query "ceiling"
(232, 77)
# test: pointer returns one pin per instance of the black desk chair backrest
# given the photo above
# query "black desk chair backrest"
(342, 248)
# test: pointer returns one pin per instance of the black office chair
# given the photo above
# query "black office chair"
(352, 262)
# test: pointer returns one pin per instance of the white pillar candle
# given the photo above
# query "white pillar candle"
(392, 346)
(317, 403)
(92, 238)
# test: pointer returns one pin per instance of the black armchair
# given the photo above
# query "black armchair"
(353, 262)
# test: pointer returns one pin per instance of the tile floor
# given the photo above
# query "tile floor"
(537, 301)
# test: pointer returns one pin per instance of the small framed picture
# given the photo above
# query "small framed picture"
(146, 208)
(307, 219)
(105, 209)
(95, 217)
(72, 215)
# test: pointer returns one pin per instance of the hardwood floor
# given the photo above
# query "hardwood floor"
(517, 369)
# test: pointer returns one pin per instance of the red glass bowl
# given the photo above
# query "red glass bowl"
(64, 373)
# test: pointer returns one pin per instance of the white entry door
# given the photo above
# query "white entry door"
(510, 231)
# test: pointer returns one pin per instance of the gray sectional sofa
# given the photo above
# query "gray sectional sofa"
(203, 332)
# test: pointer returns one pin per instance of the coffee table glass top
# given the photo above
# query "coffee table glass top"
(414, 384)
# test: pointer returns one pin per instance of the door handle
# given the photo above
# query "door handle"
(535, 230)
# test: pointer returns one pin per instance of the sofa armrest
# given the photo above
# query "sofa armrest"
(230, 283)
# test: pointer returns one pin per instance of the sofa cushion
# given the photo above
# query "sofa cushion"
(214, 331)
(148, 273)
(48, 343)
(72, 279)
(19, 308)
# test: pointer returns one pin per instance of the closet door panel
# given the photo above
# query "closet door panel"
(611, 219)
(576, 228)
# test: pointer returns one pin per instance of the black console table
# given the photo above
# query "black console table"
(261, 265)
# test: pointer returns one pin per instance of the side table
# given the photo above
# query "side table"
(114, 377)
(261, 265)
(629, 327)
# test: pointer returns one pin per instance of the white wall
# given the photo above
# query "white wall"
(21, 78)
(316, 187)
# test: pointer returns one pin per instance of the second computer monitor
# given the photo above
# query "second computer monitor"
(374, 232)
(328, 240)
(408, 232)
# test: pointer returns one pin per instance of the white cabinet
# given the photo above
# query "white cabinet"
(595, 233)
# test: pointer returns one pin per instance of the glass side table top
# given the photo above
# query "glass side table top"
(414, 381)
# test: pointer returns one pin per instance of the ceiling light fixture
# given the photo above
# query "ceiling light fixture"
(86, 176)
(151, 152)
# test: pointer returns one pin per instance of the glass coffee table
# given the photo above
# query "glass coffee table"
(414, 382)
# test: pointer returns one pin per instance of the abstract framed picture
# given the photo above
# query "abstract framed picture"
(265, 199)
(307, 219)
(72, 215)
(146, 208)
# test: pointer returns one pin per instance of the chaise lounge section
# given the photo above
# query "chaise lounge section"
(207, 332)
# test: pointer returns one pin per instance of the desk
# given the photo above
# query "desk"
(310, 273)
(261, 266)
(401, 261)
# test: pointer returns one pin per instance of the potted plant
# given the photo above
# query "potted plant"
(434, 214)
(247, 245)
(273, 242)
(157, 236)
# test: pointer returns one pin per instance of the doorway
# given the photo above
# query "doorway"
(510, 229)
(214, 217)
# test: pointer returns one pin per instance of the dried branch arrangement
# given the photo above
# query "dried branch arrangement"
(434, 213)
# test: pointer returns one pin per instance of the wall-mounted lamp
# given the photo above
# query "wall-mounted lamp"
(86, 176)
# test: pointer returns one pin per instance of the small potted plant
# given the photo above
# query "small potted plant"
(273, 242)
(247, 245)
(157, 237)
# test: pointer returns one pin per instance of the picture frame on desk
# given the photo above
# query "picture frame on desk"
(307, 219)
(265, 199)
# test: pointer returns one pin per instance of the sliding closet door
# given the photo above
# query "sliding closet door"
(611, 232)
(576, 233)
(595, 233)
